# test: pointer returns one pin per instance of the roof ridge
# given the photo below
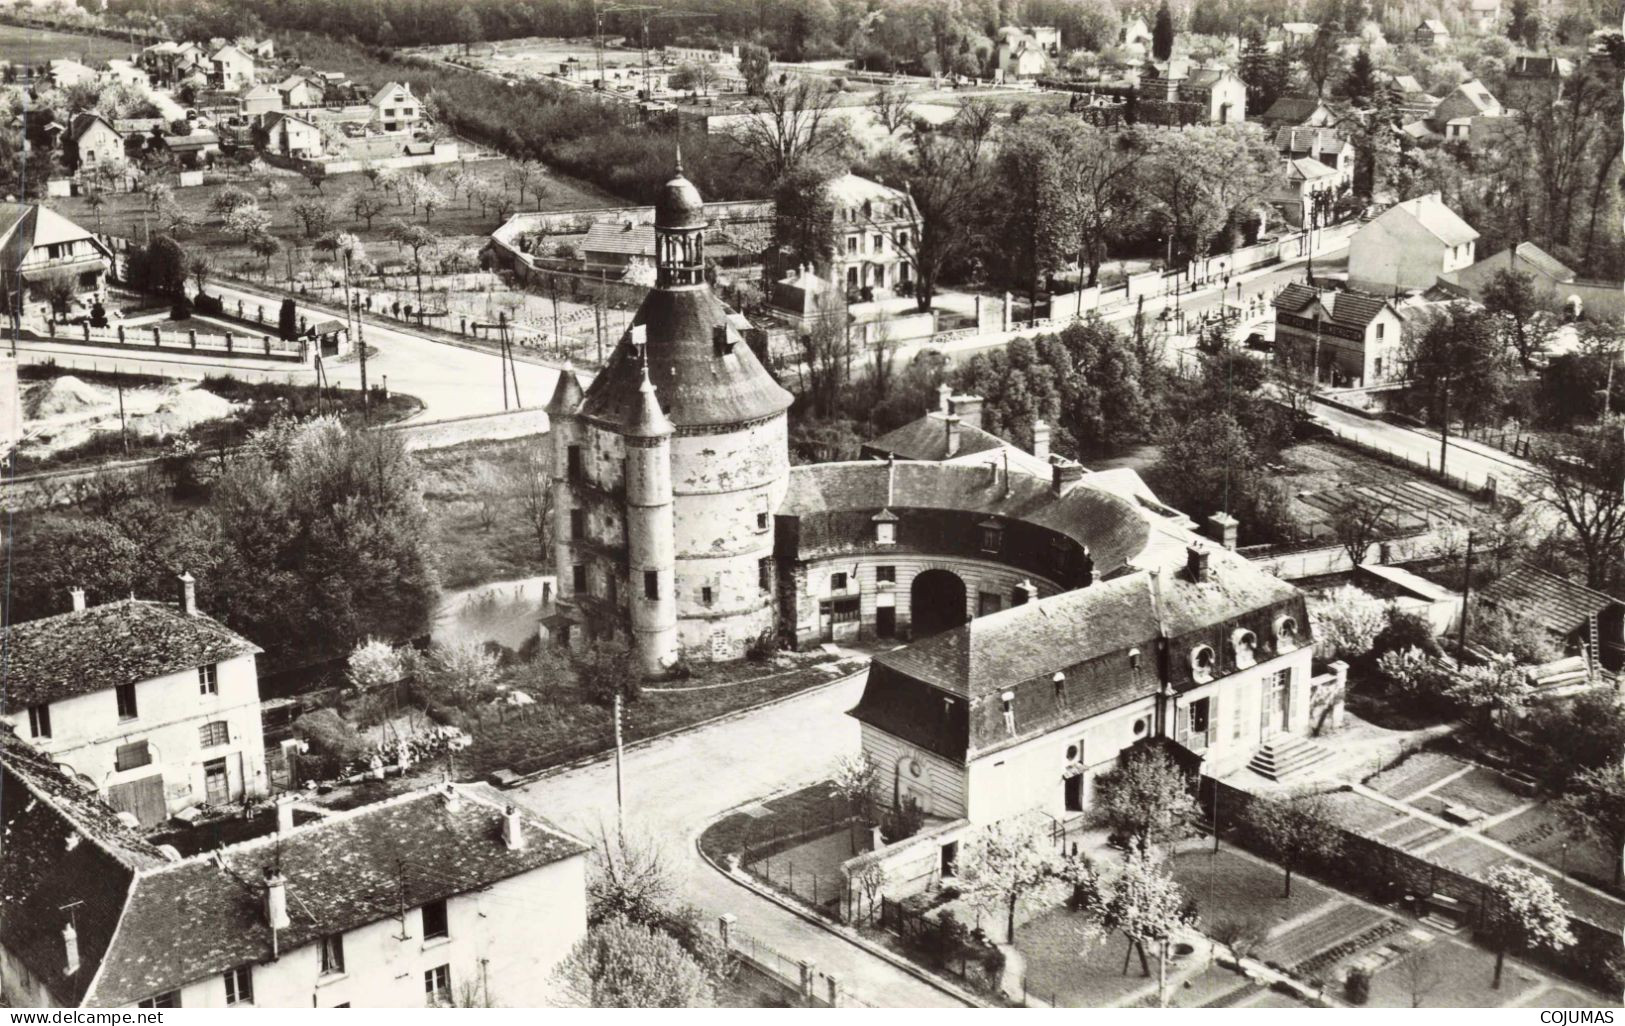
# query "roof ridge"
(25, 777)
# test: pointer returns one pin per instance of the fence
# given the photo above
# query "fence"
(964, 953)
(812, 987)
(152, 338)
(1389, 874)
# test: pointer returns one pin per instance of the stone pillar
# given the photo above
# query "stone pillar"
(121, 334)
(725, 923)
(808, 973)
(1009, 311)
(155, 339)
(267, 339)
(876, 841)
(834, 991)
(239, 308)
(228, 341)
(1224, 529)
(464, 322)
(191, 337)
(1340, 671)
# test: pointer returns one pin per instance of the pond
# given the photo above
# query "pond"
(506, 612)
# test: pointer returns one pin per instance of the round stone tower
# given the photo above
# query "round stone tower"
(665, 510)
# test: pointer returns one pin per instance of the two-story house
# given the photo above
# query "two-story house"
(1342, 337)
(155, 706)
(292, 136)
(301, 91)
(232, 69)
(1019, 711)
(1024, 54)
(93, 140)
(1431, 33)
(38, 245)
(262, 99)
(1409, 246)
(395, 109)
(1326, 145)
(1464, 107)
(1302, 182)
(439, 897)
(874, 234)
(1298, 112)
(1218, 94)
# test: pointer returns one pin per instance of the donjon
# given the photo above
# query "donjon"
(668, 469)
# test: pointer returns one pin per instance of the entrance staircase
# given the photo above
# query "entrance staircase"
(1285, 756)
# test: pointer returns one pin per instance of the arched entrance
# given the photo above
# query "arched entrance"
(936, 602)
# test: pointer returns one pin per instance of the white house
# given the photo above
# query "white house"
(395, 109)
(94, 140)
(292, 136)
(262, 99)
(1325, 145)
(1302, 178)
(1409, 246)
(1341, 337)
(874, 226)
(37, 245)
(1020, 710)
(436, 897)
(1026, 53)
(152, 705)
(233, 69)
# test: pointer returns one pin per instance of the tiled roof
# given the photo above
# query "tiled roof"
(1542, 261)
(1435, 26)
(24, 226)
(697, 382)
(197, 918)
(1343, 306)
(1112, 529)
(1535, 595)
(84, 121)
(1088, 635)
(621, 239)
(1206, 78)
(926, 438)
(62, 845)
(1291, 110)
(107, 645)
(1301, 139)
(1309, 169)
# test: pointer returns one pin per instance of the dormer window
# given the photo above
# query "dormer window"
(1059, 680)
(1286, 634)
(992, 535)
(1008, 700)
(1203, 662)
(1244, 647)
(885, 527)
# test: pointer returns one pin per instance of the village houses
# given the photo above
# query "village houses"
(93, 140)
(1342, 338)
(1409, 246)
(38, 245)
(395, 109)
(154, 706)
(438, 897)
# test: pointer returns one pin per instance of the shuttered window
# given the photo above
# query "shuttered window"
(132, 756)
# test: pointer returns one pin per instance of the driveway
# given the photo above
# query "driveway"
(451, 381)
(676, 786)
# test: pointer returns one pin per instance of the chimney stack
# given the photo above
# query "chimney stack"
(968, 408)
(1024, 593)
(1196, 564)
(187, 598)
(953, 435)
(513, 829)
(1064, 474)
(452, 797)
(1040, 439)
(1223, 528)
(78, 599)
(945, 399)
(70, 949)
(276, 900)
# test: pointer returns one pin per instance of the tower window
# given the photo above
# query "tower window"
(837, 582)
(764, 573)
(578, 577)
(572, 462)
(886, 574)
(578, 523)
(705, 595)
(651, 584)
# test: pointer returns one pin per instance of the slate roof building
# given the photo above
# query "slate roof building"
(1298, 112)
(435, 897)
(1347, 338)
(38, 244)
(154, 706)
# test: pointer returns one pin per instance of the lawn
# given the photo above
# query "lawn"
(760, 827)
(22, 45)
(1450, 974)
(1541, 832)
(1069, 967)
(1361, 814)
(1229, 885)
(1417, 773)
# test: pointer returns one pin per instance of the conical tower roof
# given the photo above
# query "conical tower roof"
(566, 394)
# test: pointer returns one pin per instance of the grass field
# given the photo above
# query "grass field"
(19, 45)
(480, 530)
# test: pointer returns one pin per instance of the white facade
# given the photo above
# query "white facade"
(500, 949)
(1405, 249)
(873, 234)
(202, 746)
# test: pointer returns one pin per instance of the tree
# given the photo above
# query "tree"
(374, 664)
(1262, 72)
(1106, 167)
(606, 670)
(791, 124)
(1242, 934)
(247, 221)
(1528, 323)
(1145, 799)
(287, 320)
(620, 964)
(96, 200)
(892, 109)
(315, 177)
(534, 489)
(1457, 367)
(426, 196)
(1036, 208)
(856, 780)
(1357, 523)
(1495, 686)
(943, 174)
(804, 216)
(265, 246)
(416, 238)
(175, 219)
(1162, 34)
(366, 206)
(201, 269)
(629, 880)
(1579, 476)
(469, 29)
(1360, 85)
(1008, 863)
(159, 267)
(1295, 832)
(229, 199)
(1146, 904)
(754, 64)
(315, 216)
(1321, 59)
(1422, 976)
(460, 668)
(1522, 911)
(1593, 807)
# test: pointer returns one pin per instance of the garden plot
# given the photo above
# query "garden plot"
(67, 411)
(1417, 774)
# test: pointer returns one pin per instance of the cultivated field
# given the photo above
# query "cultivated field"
(19, 45)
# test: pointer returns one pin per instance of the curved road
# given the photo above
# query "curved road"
(675, 787)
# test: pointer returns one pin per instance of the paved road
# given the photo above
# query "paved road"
(1467, 459)
(676, 787)
(451, 381)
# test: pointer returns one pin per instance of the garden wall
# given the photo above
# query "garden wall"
(1388, 874)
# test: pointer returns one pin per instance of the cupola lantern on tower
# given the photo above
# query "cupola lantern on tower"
(679, 232)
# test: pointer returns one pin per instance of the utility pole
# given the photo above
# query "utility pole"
(361, 345)
(1466, 594)
(123, 432)
(620, 751)
(502, 357)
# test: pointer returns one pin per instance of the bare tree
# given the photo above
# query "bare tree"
(892, 109)
(943, 175)
(791, 123)
(1358, 523)
(1422, 976)
(535, 490)
(1581, 479)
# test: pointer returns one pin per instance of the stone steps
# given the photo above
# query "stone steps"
(1282, 757)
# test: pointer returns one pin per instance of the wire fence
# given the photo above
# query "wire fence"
(811, 985)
